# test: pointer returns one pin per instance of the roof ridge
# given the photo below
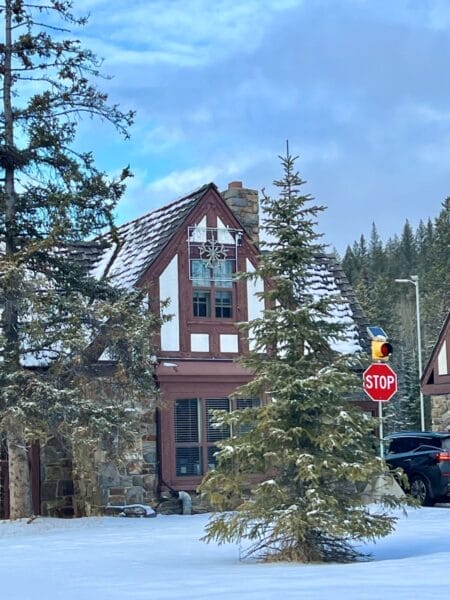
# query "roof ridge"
(135, 244)
(202, 189)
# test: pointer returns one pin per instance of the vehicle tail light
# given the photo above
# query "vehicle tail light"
(443, 457)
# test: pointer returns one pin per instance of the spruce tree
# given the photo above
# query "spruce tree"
(56, 320)
(294, 470)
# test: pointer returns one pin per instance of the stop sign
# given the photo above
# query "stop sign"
(380, 382)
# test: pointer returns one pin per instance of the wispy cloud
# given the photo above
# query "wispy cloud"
(181, 181)
(425, 112)
(358, 87)
(187, 33)
(145, 193)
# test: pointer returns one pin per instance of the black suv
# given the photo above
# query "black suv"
(424, 456)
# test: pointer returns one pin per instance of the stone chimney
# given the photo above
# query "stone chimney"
(244, 204)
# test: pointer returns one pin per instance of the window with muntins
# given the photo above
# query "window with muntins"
(201, 303)
(224, 305)
(212, 289)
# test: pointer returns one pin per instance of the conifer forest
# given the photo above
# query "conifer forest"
(372, 267)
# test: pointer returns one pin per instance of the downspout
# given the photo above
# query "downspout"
(158, 452)
(186, 502)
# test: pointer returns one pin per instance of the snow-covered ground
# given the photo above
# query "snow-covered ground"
(162, 559)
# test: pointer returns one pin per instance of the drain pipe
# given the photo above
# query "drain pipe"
(186, 502)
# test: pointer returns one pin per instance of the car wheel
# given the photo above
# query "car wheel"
(420, 489)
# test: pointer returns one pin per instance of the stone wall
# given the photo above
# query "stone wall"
(133, 481)
(136, 482)
(440, 412)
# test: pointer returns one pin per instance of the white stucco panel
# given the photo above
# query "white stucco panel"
(254, 286)
(168, 288)
(223, 236)
(229, 342)
(255, 304)
(442, 360)
(199, 342)
(199, 233)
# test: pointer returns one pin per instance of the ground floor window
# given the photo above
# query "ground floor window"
(195, 435)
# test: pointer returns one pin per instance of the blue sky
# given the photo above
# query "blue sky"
(361, 88)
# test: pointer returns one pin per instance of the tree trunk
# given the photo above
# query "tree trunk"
(19, 470)
(19, 477)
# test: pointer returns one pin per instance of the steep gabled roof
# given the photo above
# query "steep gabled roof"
(328, 278)
(138, 243)
(125, 256)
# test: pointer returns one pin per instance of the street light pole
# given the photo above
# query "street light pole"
(414, 279)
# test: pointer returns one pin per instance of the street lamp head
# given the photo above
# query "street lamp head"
(414, 279)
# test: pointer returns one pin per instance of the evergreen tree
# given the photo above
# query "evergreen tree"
(392, 262)
(57, 321)
(439, 266)
(313, 446)
(377, 260)
(350, 265)
(407, 252)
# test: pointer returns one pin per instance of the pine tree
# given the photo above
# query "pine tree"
(350, 265)
(407, 256)
(313, 446)
(440, 266)
(56, 320)
(377, 259)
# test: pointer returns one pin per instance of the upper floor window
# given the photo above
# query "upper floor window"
(212, 289)
(201, 303)
(203, 275)
(223, 305)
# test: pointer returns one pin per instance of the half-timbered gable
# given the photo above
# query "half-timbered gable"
(187, 255)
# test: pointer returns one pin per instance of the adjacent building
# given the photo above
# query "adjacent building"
(436, 380)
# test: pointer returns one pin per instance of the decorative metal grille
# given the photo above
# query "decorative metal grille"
(214, 247)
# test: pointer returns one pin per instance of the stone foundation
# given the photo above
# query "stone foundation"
(440, 412)
(134, 481)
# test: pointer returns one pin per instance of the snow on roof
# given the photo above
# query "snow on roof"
(138, 243)
(124, 257)
(327, 278)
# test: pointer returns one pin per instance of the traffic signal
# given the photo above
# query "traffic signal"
(381, 350)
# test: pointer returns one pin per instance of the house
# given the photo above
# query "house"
(436, 380)
(188, 252)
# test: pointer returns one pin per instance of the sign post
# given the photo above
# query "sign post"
(380, 384)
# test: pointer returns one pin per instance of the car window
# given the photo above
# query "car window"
(432, 441)
(446, 443)
(427, 447)
(403, 444)
(409, 444)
